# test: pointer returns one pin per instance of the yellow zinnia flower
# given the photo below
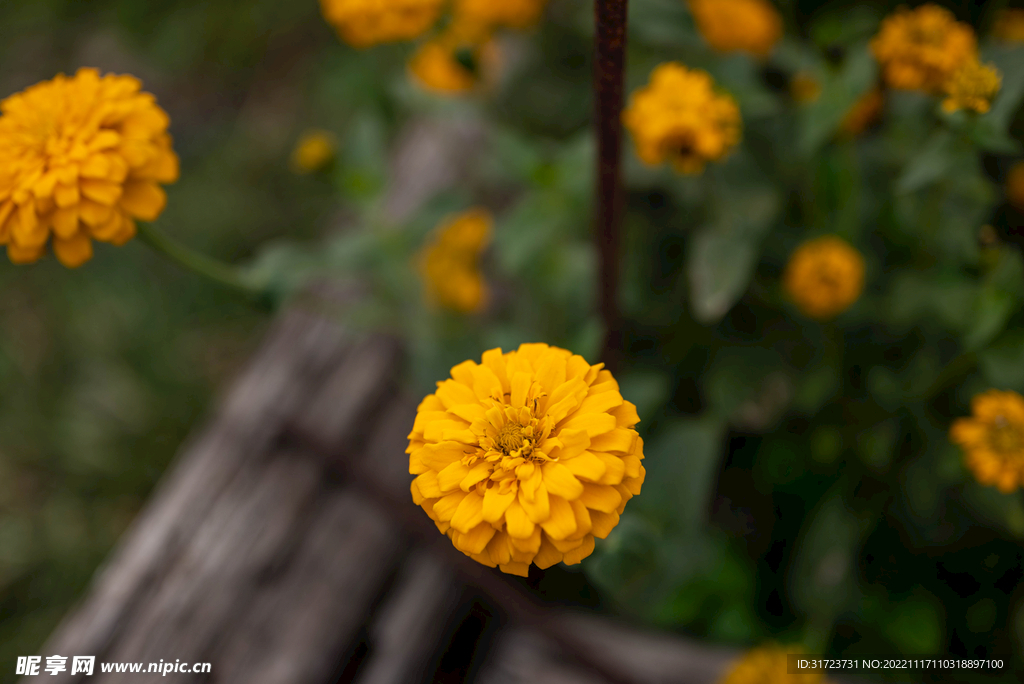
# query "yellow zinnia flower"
(920, 49)
(1015, 186)
(314, 151)
(993, 439)
(518, 14)
(457, 61)
(363, 23)
(80, 159)
(824, 277)
(1009, 25)
(526, 457)
(680, 118)
(449, 263)
(766, 665)
(863, 113)
(972, 86)
(752, 26)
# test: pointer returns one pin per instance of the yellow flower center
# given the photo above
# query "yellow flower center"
(1005, 438)
(515, 440)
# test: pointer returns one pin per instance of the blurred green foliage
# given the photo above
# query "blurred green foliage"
(801, 486)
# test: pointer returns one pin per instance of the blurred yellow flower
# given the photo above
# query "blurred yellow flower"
(526, 457)
(752, 26)
(863, 113)
(920, 49)
(463, 57)
(993, 439)
(1009, 25)
(804, 88)
(680, 118)
(972, 86)
(363, 23)
(314, 151)
(449, 263)
(80, 159)
(1015, 186)
(518, 14)
(824, 277)
(766, 665)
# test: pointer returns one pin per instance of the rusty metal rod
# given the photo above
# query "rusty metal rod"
(609, 67)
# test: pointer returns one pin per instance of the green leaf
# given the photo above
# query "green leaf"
(819, 120)
(723, 255)
(933, 161)
(682, 464)
(1002, 362)
(992, 310)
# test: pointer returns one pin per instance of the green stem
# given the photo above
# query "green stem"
(215, 270)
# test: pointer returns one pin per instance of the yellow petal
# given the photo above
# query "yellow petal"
(474, 541)
(619, 440)
(495, 504)
(632, 464)
(24, 255)
(101, 191)
(73, 252)
(486, 383)
(427, 485)
(615, 469)
(527, 546)
(520, 388)
(517, 524)
(551, 372)
(561, 482)
(513, 568)
(594, 423)
(65, 221)
(126, 233)
(143, 200)
(561, 523)
(499, 550)
(583, 522)
(94, 213)
(66, 195)
(547, 556)
(587, 466)
(495, 360)
(602, 402)
(600, 497)
(480, 471)
(603, 523)
(626, 415)
(469, 514)
(574, 443)
(579, 553)
(469, 412)
(452, 393)
(463, 373)
(440, 456)
(449, 478)
(539, 508)
(446, 506)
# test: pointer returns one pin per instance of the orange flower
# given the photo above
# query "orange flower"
(81, 159)
(920, 49)
(752, 26)
(824, 277)
(993, 439)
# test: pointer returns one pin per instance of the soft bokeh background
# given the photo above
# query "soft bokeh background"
(801, 485)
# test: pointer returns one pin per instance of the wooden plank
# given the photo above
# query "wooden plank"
(296, 353)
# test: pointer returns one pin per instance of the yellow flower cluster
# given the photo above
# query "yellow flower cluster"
(517, 14)
(752, 26)
(920, 49)
(863, 113)
(314, 151)
(993, 439)
(1009, 25)
(363, 23)
(526, 457)
(449, 263)
(766, 665)
(458, 60)
(824, 277)
(972, 86)
(81, 159)
(680, 118)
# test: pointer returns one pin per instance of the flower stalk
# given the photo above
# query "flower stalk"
(610, 49)
(208, 267)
